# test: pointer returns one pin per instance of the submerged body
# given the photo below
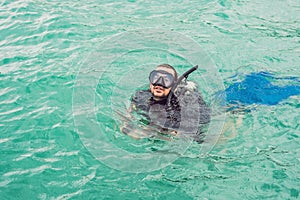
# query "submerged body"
(260, 88)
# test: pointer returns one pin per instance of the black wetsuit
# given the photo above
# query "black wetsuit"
(157, 112)
(186, 113)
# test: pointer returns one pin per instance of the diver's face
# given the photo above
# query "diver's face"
(158, 91)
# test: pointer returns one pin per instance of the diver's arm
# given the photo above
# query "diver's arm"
(132, 132)
(127, 127)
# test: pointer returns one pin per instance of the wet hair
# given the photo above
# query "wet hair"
(169, 67)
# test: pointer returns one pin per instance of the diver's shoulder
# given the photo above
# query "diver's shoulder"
(188, 92)
(185, 88)
(141, 94)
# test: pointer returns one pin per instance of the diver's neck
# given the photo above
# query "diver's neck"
(159, 98)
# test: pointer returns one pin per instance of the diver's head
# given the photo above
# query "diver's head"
(161, 81)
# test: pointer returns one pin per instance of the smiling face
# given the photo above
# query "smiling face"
(158, 91)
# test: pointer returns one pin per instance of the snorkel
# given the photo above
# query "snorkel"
(185, 75)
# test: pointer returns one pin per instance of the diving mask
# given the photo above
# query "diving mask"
(161, 78)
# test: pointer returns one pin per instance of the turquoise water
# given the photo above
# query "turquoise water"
(57, 142)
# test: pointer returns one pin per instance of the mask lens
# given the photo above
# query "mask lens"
(163, 78)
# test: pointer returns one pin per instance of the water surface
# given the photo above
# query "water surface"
(43, 46)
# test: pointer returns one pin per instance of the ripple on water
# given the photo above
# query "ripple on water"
(41, 46)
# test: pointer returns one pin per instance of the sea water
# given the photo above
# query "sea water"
(68, 67)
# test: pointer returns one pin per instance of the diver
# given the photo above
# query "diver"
(170, 104)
